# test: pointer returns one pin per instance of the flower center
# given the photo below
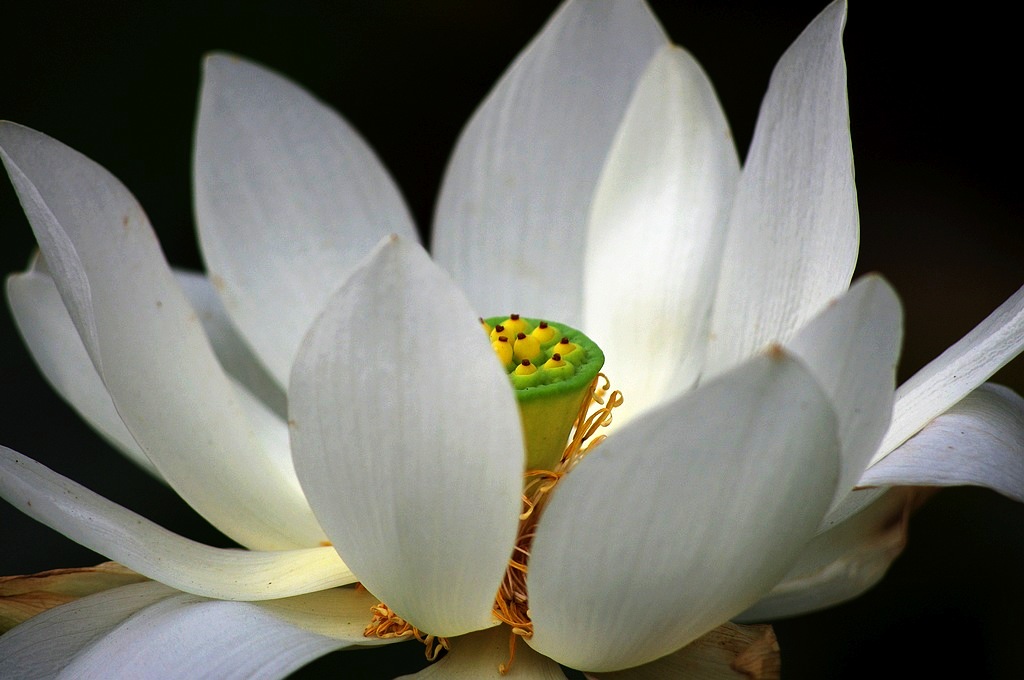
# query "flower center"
(563, 400)
(552, 367)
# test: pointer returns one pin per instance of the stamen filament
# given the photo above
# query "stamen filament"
(511, 601)
(387, 624)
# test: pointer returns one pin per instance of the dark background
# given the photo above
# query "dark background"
(937, 145)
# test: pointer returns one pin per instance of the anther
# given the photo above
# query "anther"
(515, 325)
(525, 368)
(545, 334)
(525, 347)
(503, 348)
(569, 351)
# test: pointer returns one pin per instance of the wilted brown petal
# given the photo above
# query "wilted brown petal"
(22, 597)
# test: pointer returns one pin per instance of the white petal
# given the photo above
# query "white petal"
(407, 441)
(51, 338)
(956, 372)
(119, 633)
(478, 655)
(42, 646)
(842, 562)
(683, 518)
(263, 401)
(148, 347)
(723, 654)
(656, 231)
(340, 613)
(979, 441)
(850, 504)
(793, 233)
(151, 550)
(288, 199)
(852, 348)
(511, 217)
(186, 636)
(234, 355)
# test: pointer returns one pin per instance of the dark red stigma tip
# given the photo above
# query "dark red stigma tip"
(514, 317)
(556, 356)
(520, 336)
(542, 324)
(526, 362)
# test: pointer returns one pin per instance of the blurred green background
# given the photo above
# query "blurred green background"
(937, 144)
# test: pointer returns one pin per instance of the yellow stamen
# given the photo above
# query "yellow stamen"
(545, 334)
(526, 347)
(387, 624)
(515, 325)
(511, 604)
(503, 348)
(525, 368)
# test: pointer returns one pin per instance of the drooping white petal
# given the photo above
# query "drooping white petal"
(478, 655)
(148, 347)
(52, 340)
(956, 372)
(234, 355)
(511, 217)
(980, 441)
(45, 644)
(841, 562)
(288, 199)
(793, 232)
(726, 653)
(185, 636)
(407, 441)
(709, 499)
(656, 230)
(852, 348)
(339, 613)
(151, 550)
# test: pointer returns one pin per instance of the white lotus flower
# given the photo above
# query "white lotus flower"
(596, 186)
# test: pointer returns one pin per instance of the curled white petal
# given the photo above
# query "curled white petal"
(52, 340)
(956, 372)
(185, 635)
(43, 646)
(979, 441)
(141, 545)
(148, 346)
